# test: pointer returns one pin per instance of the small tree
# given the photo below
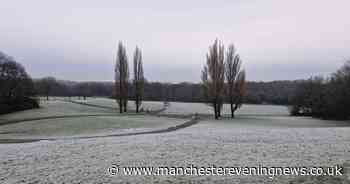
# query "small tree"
(121, 78)
(235, 79)
(138, 78)
(46, 85)
(213, 75)
(84, 89)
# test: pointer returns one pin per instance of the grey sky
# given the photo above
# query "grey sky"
(77, 40)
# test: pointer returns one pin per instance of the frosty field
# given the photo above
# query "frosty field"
(259, 135)
(111, 103)
(200, 108)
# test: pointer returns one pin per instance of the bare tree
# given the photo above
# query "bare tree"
(125, 84)
(138, 78)
(47, 84)
(235, 79)
(121, 78)
(84, 89)
(213, 76)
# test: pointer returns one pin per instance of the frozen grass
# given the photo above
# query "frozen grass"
(250, 121)
(68, 126)
(55, 108)
(83, 126)
(204, 144)
(111, 103)
(246, 109)
(269, 137)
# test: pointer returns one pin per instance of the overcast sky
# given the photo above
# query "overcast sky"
(77, 39)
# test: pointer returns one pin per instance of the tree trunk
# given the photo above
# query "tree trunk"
(232, 111)
(137, 104)
(125, 104)
(120, 105)
(126, 98)
(120, 93)
(215, 110)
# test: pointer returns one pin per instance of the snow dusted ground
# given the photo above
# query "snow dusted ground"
(84, 126)
(54, 108)
(201, 108)
(209, 142)
(180, 108)
(107, 102)
(269, 138)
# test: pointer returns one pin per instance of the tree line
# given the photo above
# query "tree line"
(17, 90)
(275, 92)
(327, 98)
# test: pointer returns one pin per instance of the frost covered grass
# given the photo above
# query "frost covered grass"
(83, 126)
(57, 119)
(259, 135)
(54, 108)
(204, 144)
(246, 109)
(111, 103)
(246, 121)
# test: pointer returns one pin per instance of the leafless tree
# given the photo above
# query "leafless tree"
(84, 89)
(235, 79)
(121, 78)
(47, 84)
(213, 76)
(125, 85)
(138, 78)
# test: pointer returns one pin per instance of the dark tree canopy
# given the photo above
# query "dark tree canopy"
(275, 92)
(16, 86)
(324, 98)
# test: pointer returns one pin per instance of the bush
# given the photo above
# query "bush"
(327, 99)
(12, 105)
